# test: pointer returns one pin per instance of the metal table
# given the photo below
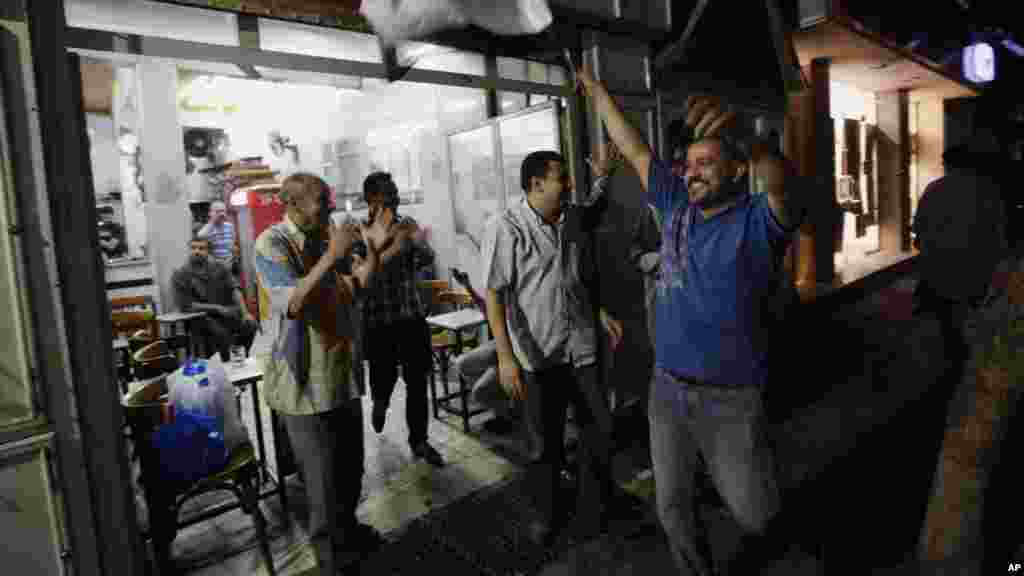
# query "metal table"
(248, 375)
(456, 322)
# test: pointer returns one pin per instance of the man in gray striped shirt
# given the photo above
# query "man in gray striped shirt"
(221, 233)
(538, 264)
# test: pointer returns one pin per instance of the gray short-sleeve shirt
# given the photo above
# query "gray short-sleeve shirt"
(540, 269)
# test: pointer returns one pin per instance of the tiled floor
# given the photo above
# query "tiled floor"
(396, 490)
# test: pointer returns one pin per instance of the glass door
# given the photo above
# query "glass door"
(484, 163)
(31, 514)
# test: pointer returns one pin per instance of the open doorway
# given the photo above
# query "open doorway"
(853, 112)
(179, 135)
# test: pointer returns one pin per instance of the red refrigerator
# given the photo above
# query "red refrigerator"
(256, 208)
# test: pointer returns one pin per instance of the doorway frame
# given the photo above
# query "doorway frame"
(115, 524)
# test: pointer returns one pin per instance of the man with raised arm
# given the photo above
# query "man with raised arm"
(722, 250)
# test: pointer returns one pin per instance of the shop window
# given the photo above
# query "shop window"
(423, 56)
(526, 71)
(461, 107)
(153, 19)
(521, 135)
(295, 38)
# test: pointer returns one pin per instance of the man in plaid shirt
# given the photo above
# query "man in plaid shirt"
(395, 317)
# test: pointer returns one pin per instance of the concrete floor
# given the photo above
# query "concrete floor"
(861, 421)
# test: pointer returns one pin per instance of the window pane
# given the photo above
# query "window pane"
(537, 72)
(15, 382)
(295, 38)
(557, 75)
(521, 135)
(512, 68)
(511, 102)
(440, 58)
(154, 19)
(476, 194)
(461, 107)
(30, 522)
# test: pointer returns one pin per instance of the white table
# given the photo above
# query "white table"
(457, 322)
(173, 318)
(249, 374)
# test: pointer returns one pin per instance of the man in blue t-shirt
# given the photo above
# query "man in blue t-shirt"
(721, 261)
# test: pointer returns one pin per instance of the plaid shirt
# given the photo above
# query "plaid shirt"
(393, 294)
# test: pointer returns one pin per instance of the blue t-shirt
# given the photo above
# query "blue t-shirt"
(717, 283)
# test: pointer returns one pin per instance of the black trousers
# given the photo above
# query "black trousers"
(406, 342)
(329, 453)
(218, 334)
(548, 394)
(951, 315)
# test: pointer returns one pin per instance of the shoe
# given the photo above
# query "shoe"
(500, 426)
(425, 451)
(380, 412)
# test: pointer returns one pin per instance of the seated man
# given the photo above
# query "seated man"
(203, 285)
(480, 366)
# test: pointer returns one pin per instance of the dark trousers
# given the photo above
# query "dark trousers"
(406, 342)
(548, 394)
(329, 453)
(951, 315)
(218, 334)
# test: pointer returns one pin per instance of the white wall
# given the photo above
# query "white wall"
(153, 19)
(163, 167)
(420, 116)
(299, 112)
(103, 154)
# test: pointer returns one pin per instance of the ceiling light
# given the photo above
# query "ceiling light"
(979, 63)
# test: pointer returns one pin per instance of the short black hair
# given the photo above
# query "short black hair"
(535, 165)
(680, 137)
(381, 183)
(201, 238)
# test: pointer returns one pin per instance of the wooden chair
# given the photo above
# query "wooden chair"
(130, 314)
(152, 360)
(145, 411)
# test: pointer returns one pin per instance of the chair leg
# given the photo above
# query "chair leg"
(162, 528)
(464, 397)
(433, 386)
(250, 499)
(444, 373)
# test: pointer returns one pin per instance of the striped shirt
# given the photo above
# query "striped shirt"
(222, 241)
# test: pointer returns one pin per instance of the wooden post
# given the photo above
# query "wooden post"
(810, 145)
(893, 172)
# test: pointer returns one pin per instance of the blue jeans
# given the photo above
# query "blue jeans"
(724, 425)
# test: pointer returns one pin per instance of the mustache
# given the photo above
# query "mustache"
(696, 180)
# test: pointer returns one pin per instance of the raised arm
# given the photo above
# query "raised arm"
(623, 134)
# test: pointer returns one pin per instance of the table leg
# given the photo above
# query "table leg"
(433, 385)
(260, 446)
(188, 338)
(462, 387)
(282, 490)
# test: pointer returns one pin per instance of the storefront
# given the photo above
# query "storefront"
(114, 97)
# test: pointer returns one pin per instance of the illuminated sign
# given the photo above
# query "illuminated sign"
(979, 63)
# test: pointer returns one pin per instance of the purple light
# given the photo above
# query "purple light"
(1014, 47)
(979, 63)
